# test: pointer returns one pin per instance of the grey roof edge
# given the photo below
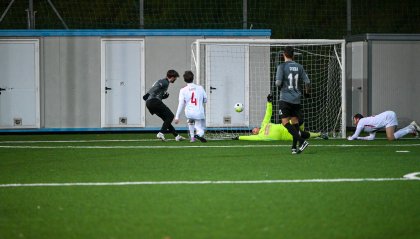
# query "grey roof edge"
(136, 32)
(383, 37)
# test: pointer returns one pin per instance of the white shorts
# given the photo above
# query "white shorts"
(391, 119)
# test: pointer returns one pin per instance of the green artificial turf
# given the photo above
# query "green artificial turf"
(208, 207)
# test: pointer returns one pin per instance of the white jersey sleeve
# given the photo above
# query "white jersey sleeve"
(181, 104)
(365, 124)
(370, 137)
(359, 129)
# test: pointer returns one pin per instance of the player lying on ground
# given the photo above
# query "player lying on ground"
(270, 131)
(387, 120)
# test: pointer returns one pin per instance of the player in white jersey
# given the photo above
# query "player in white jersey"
(192, 97)
(387, 120)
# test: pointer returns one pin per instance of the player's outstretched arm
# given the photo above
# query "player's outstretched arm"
(370, 137)
(268, 110)
(356, 134)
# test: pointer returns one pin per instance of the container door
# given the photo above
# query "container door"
(122, 83)
(19, 84)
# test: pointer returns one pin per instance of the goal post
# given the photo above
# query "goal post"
(243, 71)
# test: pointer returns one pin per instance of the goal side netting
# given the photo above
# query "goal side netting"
(244, 70)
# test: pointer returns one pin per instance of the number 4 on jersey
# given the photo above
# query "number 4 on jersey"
(193, 99)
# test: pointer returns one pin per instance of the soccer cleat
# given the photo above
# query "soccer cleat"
(192, 140)
(302, 147)
(294, 151)
(179, 138)
(161, 136)
(416, 126)
(202, 139)
(324, 136)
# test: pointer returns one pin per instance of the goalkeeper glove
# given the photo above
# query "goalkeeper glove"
(166, 95)
(269, 98)
(146, 96)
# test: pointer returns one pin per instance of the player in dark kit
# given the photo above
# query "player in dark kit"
(155, 105)
(289, 76)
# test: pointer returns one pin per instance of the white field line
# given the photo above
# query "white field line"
(113, 140)
(163, 146)
(286, 181)
(76, 141)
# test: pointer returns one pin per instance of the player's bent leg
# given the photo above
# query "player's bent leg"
(202, 139)
(301, 136)
(305, 135)
(390, 133)
(199, 127)
(168, 117)
(404, 131)
(191, 128)
(291, 129)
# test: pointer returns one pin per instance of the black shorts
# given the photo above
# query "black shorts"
(288, 110)
(157, 107)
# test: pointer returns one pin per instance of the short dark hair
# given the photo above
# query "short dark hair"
(172, 73)
(188, 76)
(357, 116)
(289, 51)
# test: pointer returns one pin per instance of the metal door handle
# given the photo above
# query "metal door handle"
(108, 88)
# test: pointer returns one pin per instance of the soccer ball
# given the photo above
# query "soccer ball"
(239, 107)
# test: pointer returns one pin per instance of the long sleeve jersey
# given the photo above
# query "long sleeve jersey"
(269, 131)
(372, 124)
(158, 89)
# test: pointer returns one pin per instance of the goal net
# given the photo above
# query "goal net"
(243, 71)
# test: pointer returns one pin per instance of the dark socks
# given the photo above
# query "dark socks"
(305, 135)
(295, 133)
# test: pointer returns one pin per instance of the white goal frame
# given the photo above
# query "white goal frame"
(197, 60)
